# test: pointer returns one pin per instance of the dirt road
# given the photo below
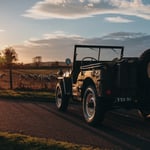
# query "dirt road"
(119, 130)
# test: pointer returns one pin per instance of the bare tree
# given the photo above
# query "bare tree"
(10, 56)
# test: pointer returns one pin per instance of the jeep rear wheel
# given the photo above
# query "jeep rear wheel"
(61, 99)
(92, 110)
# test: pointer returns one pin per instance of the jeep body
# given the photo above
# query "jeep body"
(103, 79)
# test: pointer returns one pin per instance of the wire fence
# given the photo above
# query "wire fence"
(29, 80)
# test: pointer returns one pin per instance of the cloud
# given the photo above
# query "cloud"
(117, 20)
(134, 43)
(71, 9)
(52, 47)
(1, 30)
(122, 36)
(59, 45)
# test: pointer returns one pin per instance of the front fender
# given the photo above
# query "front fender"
(66, 83)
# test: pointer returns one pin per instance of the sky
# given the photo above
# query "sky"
(51, 28)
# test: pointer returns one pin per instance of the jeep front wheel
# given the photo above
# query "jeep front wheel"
(61, 99)
(92, 109)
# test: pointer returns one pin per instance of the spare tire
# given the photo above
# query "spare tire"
(144, 89)
(145, 68)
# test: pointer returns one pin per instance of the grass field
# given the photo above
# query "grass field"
(27, 95)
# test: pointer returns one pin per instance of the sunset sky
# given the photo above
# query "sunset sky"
(50, 28)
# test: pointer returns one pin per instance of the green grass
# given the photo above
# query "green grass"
(27, 95)
(22, 142)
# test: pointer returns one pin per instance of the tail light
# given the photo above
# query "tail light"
(108, 92)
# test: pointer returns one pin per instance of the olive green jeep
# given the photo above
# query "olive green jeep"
(103, 79)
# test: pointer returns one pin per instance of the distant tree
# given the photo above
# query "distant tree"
(10, 56)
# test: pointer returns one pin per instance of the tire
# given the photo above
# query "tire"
(145, 68)
(61, 99)
(93, 110)
(144, 91)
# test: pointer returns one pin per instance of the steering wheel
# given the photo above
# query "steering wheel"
(91, 58)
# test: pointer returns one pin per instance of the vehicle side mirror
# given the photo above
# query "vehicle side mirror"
(68, 61)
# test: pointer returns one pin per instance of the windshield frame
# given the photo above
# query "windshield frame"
(99, 47)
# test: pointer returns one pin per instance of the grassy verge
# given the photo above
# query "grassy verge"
(23, 142)
(27, 95)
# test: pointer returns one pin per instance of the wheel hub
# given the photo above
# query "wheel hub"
(90, 106)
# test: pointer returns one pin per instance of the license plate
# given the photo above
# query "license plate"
(123, 99)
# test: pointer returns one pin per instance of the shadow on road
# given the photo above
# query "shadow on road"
(122, 131)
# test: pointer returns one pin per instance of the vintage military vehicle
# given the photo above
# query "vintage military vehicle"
(103, 79)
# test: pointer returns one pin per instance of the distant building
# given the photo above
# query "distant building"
(37, 60)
